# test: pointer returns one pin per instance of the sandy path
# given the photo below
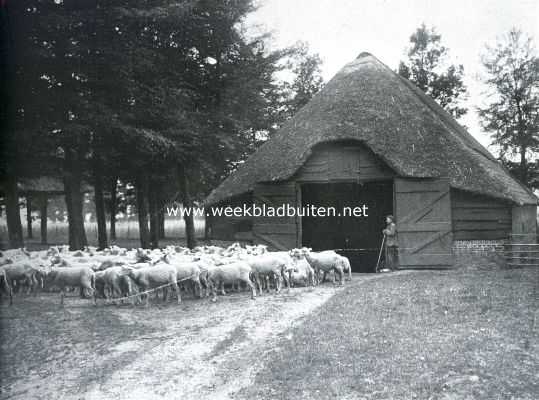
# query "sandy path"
(209, 352)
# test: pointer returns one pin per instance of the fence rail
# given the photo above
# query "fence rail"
(522, 250)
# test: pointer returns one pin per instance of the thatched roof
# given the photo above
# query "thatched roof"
(368, 102)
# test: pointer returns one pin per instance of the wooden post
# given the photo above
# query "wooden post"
(43, 217)
(524, 231)
(29, 232)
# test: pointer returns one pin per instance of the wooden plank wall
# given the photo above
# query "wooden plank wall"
(342, 162)
(524, 224)
(423, 212)
(477, 217)
(278, 233)
(231, 228)
(329, 162)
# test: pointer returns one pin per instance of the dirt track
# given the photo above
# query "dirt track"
(196, 350)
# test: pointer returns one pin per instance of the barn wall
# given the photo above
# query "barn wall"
(341, 161)
(329, 162)
(524, 224)
(477, 217)
(278, 233)
(231, 228)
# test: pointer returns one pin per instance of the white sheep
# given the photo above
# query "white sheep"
(5, 286)
(81, 277)
(186, 271)
(302, 272)
(153, 277)
(116, 282)
(268, 265)
(325, 261)
(220, 275)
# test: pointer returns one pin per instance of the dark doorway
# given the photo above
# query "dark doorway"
(357, 238)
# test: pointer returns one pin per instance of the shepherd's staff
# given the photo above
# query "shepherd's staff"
(380, 254)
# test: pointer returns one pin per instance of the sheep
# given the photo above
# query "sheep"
(302, 272)
(257, 249)
(347, 269)
(81, 277)
(22, 273)
(99, 284)
(113, 262)
(289, 264)
(325, 261)
(185, 271)
(151, 277)
(4, 261)
(205, 265)
(142, 256)
(116, 282)
(265, 265)
(5, 286)
(229, 273)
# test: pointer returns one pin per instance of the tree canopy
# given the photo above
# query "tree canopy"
(99, 90)
(512, 112)
(428, 68)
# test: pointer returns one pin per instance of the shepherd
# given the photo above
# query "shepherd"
(390, 234)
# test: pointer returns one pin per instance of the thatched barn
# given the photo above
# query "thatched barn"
(371, 137)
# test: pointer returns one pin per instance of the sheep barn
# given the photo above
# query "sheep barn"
(371, 137)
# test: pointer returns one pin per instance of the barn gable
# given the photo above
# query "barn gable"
(335, 161)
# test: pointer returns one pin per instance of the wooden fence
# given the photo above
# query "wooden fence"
(522, 250)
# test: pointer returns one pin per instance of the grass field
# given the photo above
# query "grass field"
(468, 333)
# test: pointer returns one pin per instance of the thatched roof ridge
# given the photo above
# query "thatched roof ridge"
(368, 102)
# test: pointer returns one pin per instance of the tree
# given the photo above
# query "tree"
(307, 81)
(512, 114)
(10, 157)
(428, 69)
(128, 91)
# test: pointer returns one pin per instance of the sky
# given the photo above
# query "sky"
(339, 30)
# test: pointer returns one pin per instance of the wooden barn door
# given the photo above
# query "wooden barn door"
(423, 213)
(278, 233)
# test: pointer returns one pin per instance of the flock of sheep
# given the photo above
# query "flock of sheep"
(118, 274)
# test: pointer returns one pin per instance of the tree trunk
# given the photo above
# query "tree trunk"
(187, 204)
(100, 205)
(74, 201)
(207, 229)
(43, 217)
(13, 214)
(161, 222)
(523, 166)
(113, 208)
(29, 233)
(142, 211)
(154, 215)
